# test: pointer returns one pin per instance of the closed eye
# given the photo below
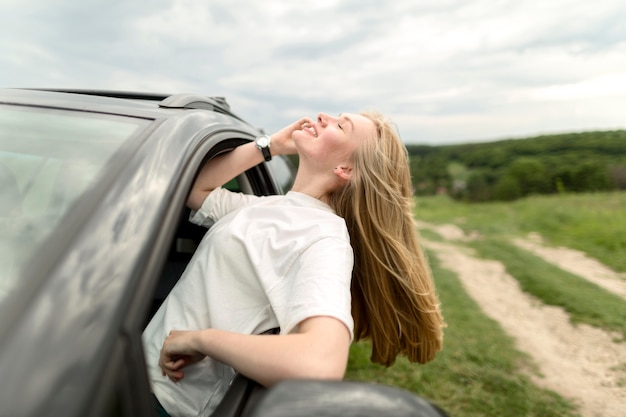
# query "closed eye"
(342, 119)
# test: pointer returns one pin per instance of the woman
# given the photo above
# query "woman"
(335, 259)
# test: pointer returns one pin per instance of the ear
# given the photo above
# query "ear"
(344, 172)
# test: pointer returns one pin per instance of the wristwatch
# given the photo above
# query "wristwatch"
(263, 143)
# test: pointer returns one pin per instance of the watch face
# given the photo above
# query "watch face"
(263, 141)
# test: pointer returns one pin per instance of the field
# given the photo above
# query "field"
(592, 223)
(489, 367)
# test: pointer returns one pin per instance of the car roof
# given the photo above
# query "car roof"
(145, 105)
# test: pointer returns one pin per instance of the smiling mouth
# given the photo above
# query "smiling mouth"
(311, 130)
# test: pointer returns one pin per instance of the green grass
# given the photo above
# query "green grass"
(479, 371)
(593, 223)
(584, 301)
(430, 235)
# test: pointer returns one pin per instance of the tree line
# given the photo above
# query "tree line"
(514, 168)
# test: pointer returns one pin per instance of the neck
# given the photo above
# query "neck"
(316, 186)
(310, 191)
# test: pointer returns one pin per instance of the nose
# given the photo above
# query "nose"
(323, 119)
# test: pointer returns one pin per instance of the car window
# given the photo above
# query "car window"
(48, 159)
(283, 172)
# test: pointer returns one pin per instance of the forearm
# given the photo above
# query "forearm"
(270, 359)
(219, 170)
(266, 359)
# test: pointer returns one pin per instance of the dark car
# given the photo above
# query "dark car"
(94, 235)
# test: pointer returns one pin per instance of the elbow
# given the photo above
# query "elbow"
(323, 369)
(331, 375)
(322, 347)
(306, 368)
(191, 202)
(304, 375)
(327, 351)
(196, 198)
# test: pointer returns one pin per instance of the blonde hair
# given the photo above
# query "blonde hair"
(394, 303)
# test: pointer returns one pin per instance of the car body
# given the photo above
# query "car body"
(95, 234)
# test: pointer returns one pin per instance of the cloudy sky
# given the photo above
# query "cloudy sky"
(446, 71)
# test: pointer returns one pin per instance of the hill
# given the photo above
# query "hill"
(513, 168)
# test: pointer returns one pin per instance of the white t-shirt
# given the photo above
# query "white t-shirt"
(266, 262)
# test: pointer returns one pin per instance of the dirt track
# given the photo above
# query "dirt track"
(579, 362)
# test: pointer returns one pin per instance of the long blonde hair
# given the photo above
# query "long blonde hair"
(394, 303)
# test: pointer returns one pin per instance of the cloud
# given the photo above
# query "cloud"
(445, 70)
(604, 85)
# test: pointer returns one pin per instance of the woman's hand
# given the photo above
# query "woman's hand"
(282, 141)
(178, 352)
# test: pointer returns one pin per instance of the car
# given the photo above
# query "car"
(94, 236)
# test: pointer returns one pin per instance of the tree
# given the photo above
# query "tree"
(591, 176)
(617, 174)
(507, 189)
(531, 176)
(479, 186)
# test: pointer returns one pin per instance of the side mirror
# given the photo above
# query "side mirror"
(340, 399)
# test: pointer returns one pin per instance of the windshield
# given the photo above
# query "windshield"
(48, 159)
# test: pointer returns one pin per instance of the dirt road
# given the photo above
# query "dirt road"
(579, 362)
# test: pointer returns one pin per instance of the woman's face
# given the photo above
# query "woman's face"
(331, 141)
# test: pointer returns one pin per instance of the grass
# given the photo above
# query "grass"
(478, 371)
(592, 223)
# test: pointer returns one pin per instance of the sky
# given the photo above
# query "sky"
(445, 71)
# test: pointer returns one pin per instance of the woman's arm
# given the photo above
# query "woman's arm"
(318, 351)
(219, 170)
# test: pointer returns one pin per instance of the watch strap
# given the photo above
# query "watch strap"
(266, 153)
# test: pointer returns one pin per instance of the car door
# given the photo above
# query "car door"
(125, 387)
